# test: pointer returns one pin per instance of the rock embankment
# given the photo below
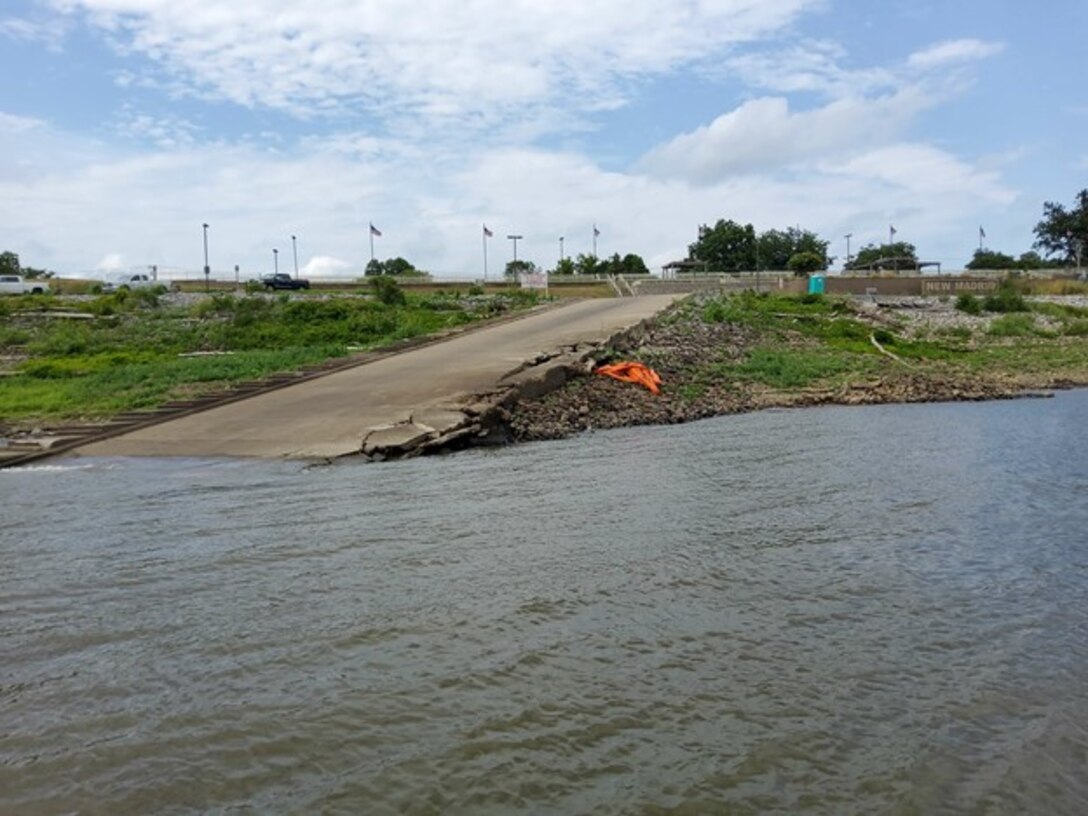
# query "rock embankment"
(690, 355)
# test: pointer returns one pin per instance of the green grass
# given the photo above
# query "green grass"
(793, 368)
(127, 357)
(1014, 325)
(803, 342)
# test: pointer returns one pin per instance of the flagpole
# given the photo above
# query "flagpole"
(371, 233)
(594, 240)
(485, 253)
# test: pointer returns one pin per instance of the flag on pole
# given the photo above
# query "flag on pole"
(375, 231)
(488, 233)
(596, 232)
(981, 232)
(892, 231)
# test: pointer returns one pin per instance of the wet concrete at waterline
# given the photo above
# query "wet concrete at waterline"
(872, 610)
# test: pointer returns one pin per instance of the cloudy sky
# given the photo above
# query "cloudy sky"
(126, 124)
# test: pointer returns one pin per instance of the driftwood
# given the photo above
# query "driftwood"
(884, 351)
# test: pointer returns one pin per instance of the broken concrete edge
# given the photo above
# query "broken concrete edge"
(482, 419)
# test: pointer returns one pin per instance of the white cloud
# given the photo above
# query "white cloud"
(764, 134)
(953, 52)
(110, 263)
(10, 123)
(323, 266)
(478, 62)
(148, 209)
(811, 66)
(48, 32)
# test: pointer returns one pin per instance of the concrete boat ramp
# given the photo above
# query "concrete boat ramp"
(404, 404)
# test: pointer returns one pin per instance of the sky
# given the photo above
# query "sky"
(125, 125)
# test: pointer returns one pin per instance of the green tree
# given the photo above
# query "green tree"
(900, 255)
(804, 263)
(1030, 260)
(632, 264)
(9, 264)
(1061, 231)
(629, 264)
(587, 265)
(515, 268)
(725, 247)
(564, 267)
(988, 259)
(776, 247)
(391, 266)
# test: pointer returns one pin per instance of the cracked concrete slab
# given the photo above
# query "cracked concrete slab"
(331, 415)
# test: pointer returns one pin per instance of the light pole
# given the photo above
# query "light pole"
(294, 251)
(515, 239)
(207, 269)
(275, 261)
(848, 236)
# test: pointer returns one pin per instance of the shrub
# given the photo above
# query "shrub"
(802, 263)
(1077, 328)
(1013, 325)
(475, 290)
(968, 304)
(715, 312)
(1005, 299)
(387, 291)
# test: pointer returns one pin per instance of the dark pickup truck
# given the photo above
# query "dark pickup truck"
(281, 280)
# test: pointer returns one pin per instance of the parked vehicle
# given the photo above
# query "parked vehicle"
(281, 280)
(135, 281)
(18, 285)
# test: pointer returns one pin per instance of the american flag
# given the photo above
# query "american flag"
(375, 231)
(488, 233)
(596, 232)
(981, 232)
(892, 230)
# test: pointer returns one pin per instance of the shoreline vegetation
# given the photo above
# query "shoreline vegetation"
(92, 358)
(89, 358)
(744, 352)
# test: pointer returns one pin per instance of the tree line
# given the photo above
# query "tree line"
(728, 246)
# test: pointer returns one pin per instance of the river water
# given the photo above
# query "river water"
(842, 610)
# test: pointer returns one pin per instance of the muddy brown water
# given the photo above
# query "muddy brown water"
(842, 610)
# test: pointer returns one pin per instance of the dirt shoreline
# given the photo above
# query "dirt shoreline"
(681, 350)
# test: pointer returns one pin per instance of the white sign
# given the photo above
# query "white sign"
(533, 280)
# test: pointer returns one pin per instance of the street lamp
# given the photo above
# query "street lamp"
(848, 236)
(294, 251)
(207, 269)
(515, 239)
(275, 261)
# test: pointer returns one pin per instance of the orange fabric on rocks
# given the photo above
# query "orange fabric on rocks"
(633, 373)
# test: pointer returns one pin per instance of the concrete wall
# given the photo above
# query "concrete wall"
(921, 285)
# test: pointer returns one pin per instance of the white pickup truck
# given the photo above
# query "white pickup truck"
(137, 281)
(18, 285)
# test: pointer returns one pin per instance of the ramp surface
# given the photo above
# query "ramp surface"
(330, 416)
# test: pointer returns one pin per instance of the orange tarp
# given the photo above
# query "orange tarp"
(633, 373)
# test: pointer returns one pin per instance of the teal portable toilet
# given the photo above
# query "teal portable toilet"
(816, 284)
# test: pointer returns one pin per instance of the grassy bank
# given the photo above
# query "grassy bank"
(742, 352)
(62, 359)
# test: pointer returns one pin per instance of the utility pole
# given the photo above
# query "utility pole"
(294, 251)
(515, 239)
(207, 269)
